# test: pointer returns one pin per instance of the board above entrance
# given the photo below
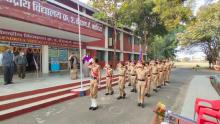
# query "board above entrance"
(43, 13)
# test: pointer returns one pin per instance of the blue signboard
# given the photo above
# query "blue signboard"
(54, 66)
(63, 55)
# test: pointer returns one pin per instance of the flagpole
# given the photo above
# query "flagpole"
(80, 46)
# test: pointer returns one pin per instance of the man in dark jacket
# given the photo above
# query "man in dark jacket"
(8, 66)
(21, 62)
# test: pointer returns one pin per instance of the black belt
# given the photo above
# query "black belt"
(94, 78)
(141, 80)
(133, 75)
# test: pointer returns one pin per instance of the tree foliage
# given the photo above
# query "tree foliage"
(157, 20)
(204, 30)
(172, 12)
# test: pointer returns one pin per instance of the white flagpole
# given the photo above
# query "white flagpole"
(80, 46)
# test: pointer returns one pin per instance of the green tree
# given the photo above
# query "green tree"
(172, 12)
(108, 11)
(204, 30)
(158, 22)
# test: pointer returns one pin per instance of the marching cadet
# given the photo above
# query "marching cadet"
(169, 67)
(133, 77)
(109, 74)
(160, 75)
(154, 75)
(128, 72)
(142, 76)
(164, 72)
(121, 71)
(148, 68)
(96, 76)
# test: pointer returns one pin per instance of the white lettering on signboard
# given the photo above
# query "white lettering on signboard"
(40, 8)
(21, 3)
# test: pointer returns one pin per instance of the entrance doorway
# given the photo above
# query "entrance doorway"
(33, 56)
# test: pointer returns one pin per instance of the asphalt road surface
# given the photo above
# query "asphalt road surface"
(111, 110)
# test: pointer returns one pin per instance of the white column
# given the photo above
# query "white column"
(45, 59)
(122, 46)
(106, 44)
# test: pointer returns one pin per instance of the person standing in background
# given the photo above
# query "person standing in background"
(8, 66)
(21, 62)
(73, 61)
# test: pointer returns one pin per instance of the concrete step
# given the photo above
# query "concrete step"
(6, 104)
(9, 113)
(43, 90)
(30, 102)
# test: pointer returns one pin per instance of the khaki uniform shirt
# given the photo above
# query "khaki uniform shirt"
(154, 69)
(121, 70)
(141, 74)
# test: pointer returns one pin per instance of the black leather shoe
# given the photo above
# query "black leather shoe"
(124, 96)
(119, 97)
(106, 94)
(132, 90)
(112, 93)
(158, 86)
(95, 108)
(146, 94)
(91, 108)
(139, 104)
(155, 90)
(129, 84)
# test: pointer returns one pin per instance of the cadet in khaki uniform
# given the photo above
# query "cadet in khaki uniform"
(164, 72)
(142, 76)
(121, 71)
(96, 76)
(160, 76)
(169, 64)
(109, 74)
(148, 67)
(133, 76)
(128, 72)
(154, 76)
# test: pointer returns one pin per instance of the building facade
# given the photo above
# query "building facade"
(48, 32)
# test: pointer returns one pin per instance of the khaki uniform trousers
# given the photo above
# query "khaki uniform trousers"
(93, 88)
(129, 78)
(133, 81)
(168, 76)
(141, 90)
(149, 85)
(154, 81)
(160, 80)
(109, 85)
(121, 85)
(164, 76)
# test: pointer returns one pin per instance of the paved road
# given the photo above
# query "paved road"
(112, 111)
